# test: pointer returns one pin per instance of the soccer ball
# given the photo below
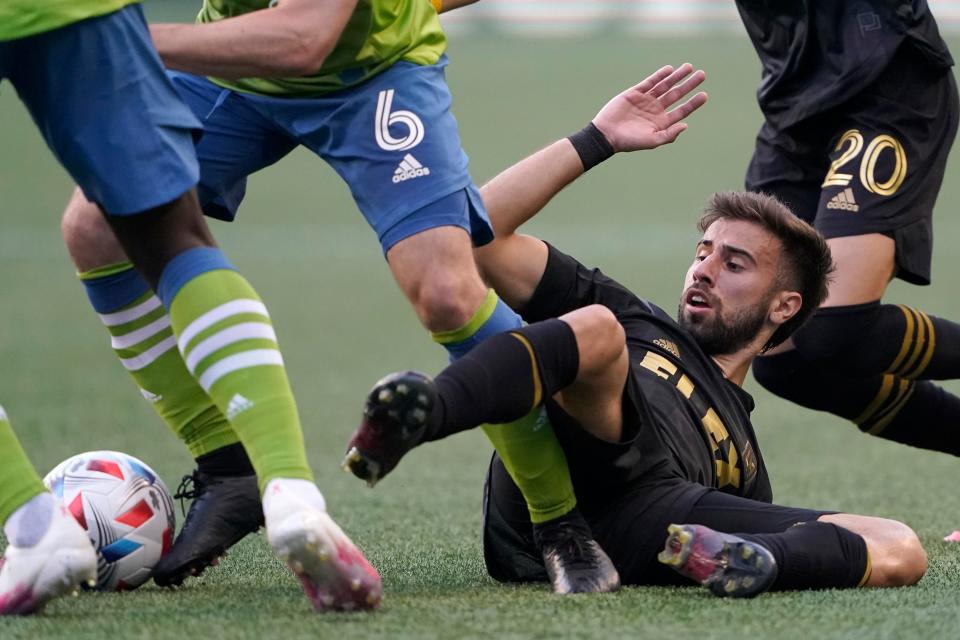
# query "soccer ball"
(124, 507)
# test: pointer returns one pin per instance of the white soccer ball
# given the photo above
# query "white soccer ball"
(124, 507)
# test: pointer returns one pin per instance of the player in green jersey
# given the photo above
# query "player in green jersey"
(116, 123)
(360, 83)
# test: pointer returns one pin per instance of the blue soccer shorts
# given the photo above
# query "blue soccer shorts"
(99, 94)
(392, 139)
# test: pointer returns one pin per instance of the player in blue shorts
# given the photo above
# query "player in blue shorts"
(98, 93)
(264, 78)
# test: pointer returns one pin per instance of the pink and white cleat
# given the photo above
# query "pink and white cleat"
(59, 563)
(333, 571)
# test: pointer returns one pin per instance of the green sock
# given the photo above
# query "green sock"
(18, 479)
(228, 344)
(528, 448)
(142, 338)
(536, 463)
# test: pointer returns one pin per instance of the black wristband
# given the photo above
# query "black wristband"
(591, 145)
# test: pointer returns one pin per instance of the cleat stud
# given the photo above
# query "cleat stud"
(323, 556)
(730, 585)
(748, 582)
(91, 583)
(746, 552)
(674, 528)
(684, 537)
(371, 598)
(355, 584)
(403, 389)
(385, 395)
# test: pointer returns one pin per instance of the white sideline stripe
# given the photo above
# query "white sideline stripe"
(227, 309)
(230, 335)
(128, 315)
(245, 360)
(136, 337)
(147, 357)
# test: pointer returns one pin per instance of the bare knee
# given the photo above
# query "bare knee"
(897, 558)
(601, 338)
(904, 560)
(447, 300)
(88, 237)
(436, 271)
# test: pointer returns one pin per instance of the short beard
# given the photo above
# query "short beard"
(719, 337)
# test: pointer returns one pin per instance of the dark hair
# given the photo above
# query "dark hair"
(807, 263)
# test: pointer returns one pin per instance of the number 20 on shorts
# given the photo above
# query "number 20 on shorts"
(851, 143)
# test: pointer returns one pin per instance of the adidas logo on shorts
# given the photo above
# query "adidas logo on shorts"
(408, 169)
(844, 201)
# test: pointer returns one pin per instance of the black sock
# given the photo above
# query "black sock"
(929, 418)
(231, 460)
(874, 338)
(504, 377)
(815, 555)
(919, 414)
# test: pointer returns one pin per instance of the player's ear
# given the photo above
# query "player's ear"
(785, 305)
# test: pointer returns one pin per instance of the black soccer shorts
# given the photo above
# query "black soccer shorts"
(873, 164)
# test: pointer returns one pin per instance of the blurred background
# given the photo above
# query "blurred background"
(523, 73)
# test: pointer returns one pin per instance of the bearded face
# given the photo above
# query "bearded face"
(721, 331)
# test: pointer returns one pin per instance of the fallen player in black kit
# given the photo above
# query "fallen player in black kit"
(649, 410)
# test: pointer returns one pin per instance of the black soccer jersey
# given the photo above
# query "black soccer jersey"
(817, 54)
(682, 417)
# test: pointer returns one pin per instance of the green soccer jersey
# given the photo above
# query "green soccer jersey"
(22, 18)
(378, 34)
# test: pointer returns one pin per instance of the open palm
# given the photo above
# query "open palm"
(640, 117)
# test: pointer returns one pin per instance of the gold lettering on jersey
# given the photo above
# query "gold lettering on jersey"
(723, 450)
(668, 345)
(721, 444)
(659, 365)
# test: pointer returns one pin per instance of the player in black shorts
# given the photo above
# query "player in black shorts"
(649, 411)
(861, 109)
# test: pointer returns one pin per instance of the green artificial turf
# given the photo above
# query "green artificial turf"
(343, 324)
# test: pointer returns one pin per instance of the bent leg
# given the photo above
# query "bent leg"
(896, 556)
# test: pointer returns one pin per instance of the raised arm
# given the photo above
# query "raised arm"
(292, 38)
(637, 118)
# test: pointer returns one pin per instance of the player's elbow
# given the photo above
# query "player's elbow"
(305, 55)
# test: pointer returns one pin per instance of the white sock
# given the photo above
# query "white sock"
(293, 489)
(26, 525)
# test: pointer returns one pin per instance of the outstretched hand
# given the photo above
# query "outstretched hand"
(639, 118)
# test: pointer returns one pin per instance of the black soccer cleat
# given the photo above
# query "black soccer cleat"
(224, 510)
(727, 565)
(573, 559)
(395, 418)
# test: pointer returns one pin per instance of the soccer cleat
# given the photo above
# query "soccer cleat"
(395, 418)
(573, 559)
(333, 572)
(224, 510)
(729, 566)
(60, 563)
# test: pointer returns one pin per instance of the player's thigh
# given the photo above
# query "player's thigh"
(394, 141)
(101, 99)
(885, 167)
(238, 139)
(787, 164)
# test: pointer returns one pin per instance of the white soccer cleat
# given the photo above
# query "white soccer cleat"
(60, 563)
(333, 571)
